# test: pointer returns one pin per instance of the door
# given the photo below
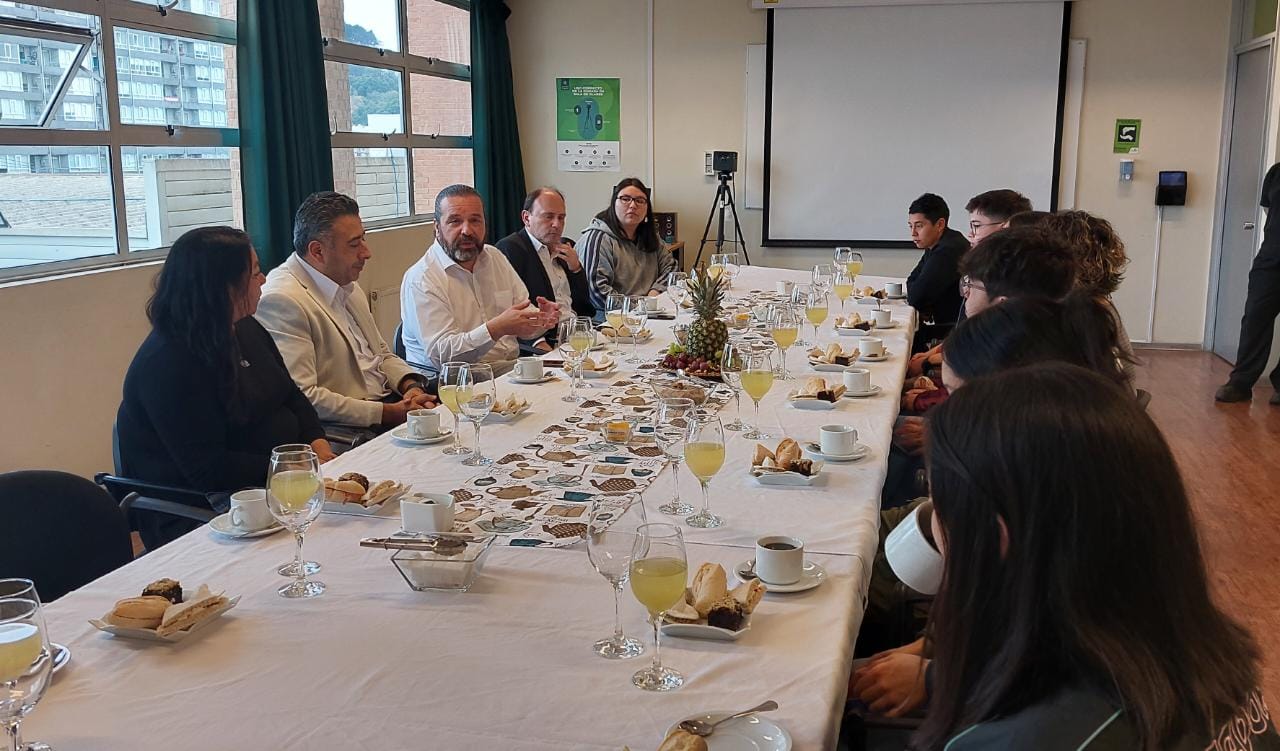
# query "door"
(1242, 219)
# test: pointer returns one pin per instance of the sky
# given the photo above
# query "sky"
(379, 16)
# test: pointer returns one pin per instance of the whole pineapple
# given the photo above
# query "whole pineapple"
(708, 333)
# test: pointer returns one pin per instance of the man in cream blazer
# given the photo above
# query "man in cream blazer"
(320, 320)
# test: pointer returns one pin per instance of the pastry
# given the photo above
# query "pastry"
(682, 612)
(355, 477)
(710, 584)
(924, 383)
(185, 615)
(727, 613)
(166, 588)
(138, 612)
(749, 594)
(682, 740)
(787, 453)
(761, 456)
(343, 491)
(380, 491)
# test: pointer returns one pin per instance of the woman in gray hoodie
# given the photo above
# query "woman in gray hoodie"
(620, 248)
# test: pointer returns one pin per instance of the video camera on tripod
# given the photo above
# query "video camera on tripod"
(725, 163)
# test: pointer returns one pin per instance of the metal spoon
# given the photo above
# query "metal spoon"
(704, 729)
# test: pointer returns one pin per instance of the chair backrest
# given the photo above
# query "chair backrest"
(1144, 398)
(59, 530)
(397, 343)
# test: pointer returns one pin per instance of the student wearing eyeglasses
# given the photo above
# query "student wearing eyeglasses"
(621, 250)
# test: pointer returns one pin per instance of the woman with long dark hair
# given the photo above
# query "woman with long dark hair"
(1074, 612)
(621, 249)
(207, 395)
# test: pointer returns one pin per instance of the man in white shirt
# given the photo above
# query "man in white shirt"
(462, 300)
(546, 261)
(321, 322)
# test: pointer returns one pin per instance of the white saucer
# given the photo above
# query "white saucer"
(703, 631)
(222, 525)
(859, 451)
(827, 367)
(531, 381)
(61, 656)
(402, 434)
(813, 403)
(888, 296)
(870, 358)
(844, 331)
(889, 325)
(813, 575)
(862, 394)
(751, 733)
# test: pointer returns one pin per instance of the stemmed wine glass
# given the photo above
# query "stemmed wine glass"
(295, 496)
(731, 372)
(732, 268)
(659, 574)
(576, 337)
(815, 309)
(611, 537)
(677, 289)
(634, 314)
(799, 295)
(717, 265)
(821, 275)
(704, 455)
(854, 264)
(613, 306)
(842, 284)
(26, 664)
(841, 257)
(671, 430)
(784, 327)
(757, 379)
(451, 376)
(481, 394)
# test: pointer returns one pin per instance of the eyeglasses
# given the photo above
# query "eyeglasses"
(637, 200)
(975, 226)
(967, 284)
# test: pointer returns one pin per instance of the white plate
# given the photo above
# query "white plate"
(827, 367)
(862, 394)
(874, 358)
(789, 479)
(355, 509)
(859, 451)
(812, 575)
(703, 631)
(751, 733)
(61, 656)
(888, 296)
(590, 374)
(546, 376)
(814, 403)
(149, 634)
(869, 300)
(890, 325)
(402, 434)
(222, 525)
(842, 331)
(511, 417)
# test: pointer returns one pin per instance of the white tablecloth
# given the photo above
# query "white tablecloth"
(508, 665)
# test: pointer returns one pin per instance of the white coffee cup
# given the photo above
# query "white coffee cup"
(653, 304)
(837, 440)
(882, 317)
(529, 368)
(779, 560)
(871, 346)
(893, 289)
(423, 423)
(429, 513)
(857, 380)
(911, 556)
(784, 287)
(249, 512)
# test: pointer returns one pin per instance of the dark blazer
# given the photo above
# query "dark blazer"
(175, 429)
(523, 256)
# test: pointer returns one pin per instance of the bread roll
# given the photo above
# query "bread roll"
(813, 386)
(138, 612)
(787, 453)
(355, 477)
(682, 740)
(709, 584)
(346, 491)
(762, 453)
(682, 612)
(184, 616)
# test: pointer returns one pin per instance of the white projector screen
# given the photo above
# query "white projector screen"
(868, 107)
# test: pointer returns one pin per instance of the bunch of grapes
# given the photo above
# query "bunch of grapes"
(683, 361)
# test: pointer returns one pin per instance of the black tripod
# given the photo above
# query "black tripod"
(724, 197)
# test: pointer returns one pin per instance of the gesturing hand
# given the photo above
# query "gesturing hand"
(521, 320)
(891, 684)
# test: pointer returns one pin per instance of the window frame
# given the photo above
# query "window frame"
(115, 137)
(406, 65)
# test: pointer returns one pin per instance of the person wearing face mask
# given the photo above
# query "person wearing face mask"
(320, 319)
(546, 260)
(621, 249)
(463, 300)
(207, 396)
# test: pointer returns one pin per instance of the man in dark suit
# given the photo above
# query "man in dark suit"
(933, 288)
(546, 261)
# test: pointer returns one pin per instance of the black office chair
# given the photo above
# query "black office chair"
(140, 496)
(59, 530)
(1144, 398)
(397, 346)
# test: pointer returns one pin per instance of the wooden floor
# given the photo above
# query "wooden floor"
(1230, 460)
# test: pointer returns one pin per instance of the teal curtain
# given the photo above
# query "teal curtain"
(499, 168)
(284, 118)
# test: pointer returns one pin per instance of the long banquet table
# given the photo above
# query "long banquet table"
(508, 665)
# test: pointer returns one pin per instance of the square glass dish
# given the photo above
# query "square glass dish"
(442, 562)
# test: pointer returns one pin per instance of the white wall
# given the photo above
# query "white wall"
(67, 343)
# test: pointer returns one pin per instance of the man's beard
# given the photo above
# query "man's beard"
(458, 253)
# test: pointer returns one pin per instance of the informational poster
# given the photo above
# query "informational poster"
(587, 125)
(1128, 132)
